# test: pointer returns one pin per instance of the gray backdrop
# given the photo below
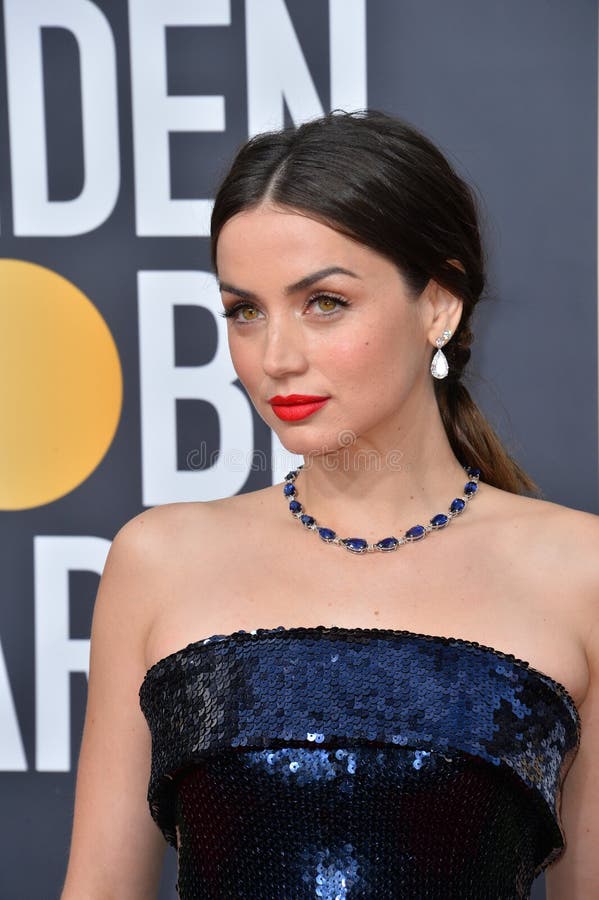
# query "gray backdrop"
(116, 119)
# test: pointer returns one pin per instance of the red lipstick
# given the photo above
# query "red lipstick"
(296, 406)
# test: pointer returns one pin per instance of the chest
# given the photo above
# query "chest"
(451, 584)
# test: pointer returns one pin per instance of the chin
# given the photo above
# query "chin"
(315, 450)
(301, 448)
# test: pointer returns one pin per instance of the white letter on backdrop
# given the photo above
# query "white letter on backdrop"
(57, 655)
(347, 29)
(12, 752)
(33, 213)
(155, 114)
(162, 384)
(277, 68)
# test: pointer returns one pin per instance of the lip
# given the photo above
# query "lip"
(293, 399)
(293, 412)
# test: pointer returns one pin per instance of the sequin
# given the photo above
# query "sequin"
(330, 762)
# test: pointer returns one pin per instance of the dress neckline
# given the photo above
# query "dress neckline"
(368, 632)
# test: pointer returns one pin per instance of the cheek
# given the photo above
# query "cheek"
(362, 357)
(245, 360)
(347, 358)
(375, 372)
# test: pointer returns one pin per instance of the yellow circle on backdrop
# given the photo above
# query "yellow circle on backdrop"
(61, 386)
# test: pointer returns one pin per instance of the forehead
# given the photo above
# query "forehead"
(282, 236)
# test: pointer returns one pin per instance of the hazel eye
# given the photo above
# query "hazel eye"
(246, 313)
(248, 309)
(327, 300)
(231, 314)
(328, 304)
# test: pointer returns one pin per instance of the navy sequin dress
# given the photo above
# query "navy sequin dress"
(333, 763)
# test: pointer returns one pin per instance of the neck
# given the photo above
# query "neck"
(376, 488)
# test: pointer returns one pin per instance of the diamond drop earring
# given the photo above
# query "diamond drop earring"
(439, 365)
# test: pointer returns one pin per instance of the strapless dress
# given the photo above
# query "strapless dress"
(333, 763)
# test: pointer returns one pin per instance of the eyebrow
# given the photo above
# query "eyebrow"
(291, 288)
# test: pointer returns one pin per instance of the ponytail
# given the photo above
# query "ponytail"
(474, 441)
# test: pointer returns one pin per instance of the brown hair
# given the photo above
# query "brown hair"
(379, 180)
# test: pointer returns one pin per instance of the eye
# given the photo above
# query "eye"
(326, 300)
(232, 312)
(251, 310)
(330, 303)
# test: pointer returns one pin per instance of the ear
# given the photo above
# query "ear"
(444, 310)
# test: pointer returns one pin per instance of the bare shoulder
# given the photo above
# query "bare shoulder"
(574, 530)
(147, 551)
(181, 515)
(154, 532)
(561, 542)
(162, 542)
(151, 527)
(543, 514)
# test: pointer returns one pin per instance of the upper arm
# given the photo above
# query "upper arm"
(116, 848)
(575, 875)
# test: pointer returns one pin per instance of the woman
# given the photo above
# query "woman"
(315, 732)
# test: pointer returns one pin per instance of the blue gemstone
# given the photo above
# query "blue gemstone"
(295, 506)
(327, 534)
(415, 533)
(357, 545)
(289, 490)
(457, 505)
(473, 472)
(388, 543)
(307, 520)
(291, 475)
(439, 521)
(470, 487)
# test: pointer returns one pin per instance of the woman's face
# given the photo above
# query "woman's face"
(352, 333)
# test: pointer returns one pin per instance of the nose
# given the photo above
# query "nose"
(284, 349)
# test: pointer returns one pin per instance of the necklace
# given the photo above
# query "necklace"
(360, 545)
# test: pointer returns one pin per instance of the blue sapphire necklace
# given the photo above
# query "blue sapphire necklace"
(360, 545)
